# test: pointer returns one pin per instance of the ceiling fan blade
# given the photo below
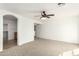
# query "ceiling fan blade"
(51, 15)
(47, 16)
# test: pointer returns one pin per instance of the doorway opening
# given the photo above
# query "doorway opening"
(36, 30)
(9, 31)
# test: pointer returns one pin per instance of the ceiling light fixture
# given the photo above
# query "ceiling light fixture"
(43, 17)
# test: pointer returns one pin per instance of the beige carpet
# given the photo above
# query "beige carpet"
(39, 47)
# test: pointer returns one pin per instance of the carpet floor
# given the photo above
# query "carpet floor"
(39, 47)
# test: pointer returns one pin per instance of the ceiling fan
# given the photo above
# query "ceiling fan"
(45, 16)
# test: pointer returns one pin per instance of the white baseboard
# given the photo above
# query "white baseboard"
(58, 40)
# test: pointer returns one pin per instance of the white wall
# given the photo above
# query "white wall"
(5, 27)
(60, 29)
(1, 33)
(25, 30)
(11, 28)
(78, 28)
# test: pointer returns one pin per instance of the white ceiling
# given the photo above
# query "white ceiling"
(31, 10)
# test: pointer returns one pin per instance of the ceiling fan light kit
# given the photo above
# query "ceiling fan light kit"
(43, 18)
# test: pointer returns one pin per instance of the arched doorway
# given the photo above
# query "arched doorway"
(9, 31)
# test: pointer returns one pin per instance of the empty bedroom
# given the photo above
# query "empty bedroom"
(39, 29)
